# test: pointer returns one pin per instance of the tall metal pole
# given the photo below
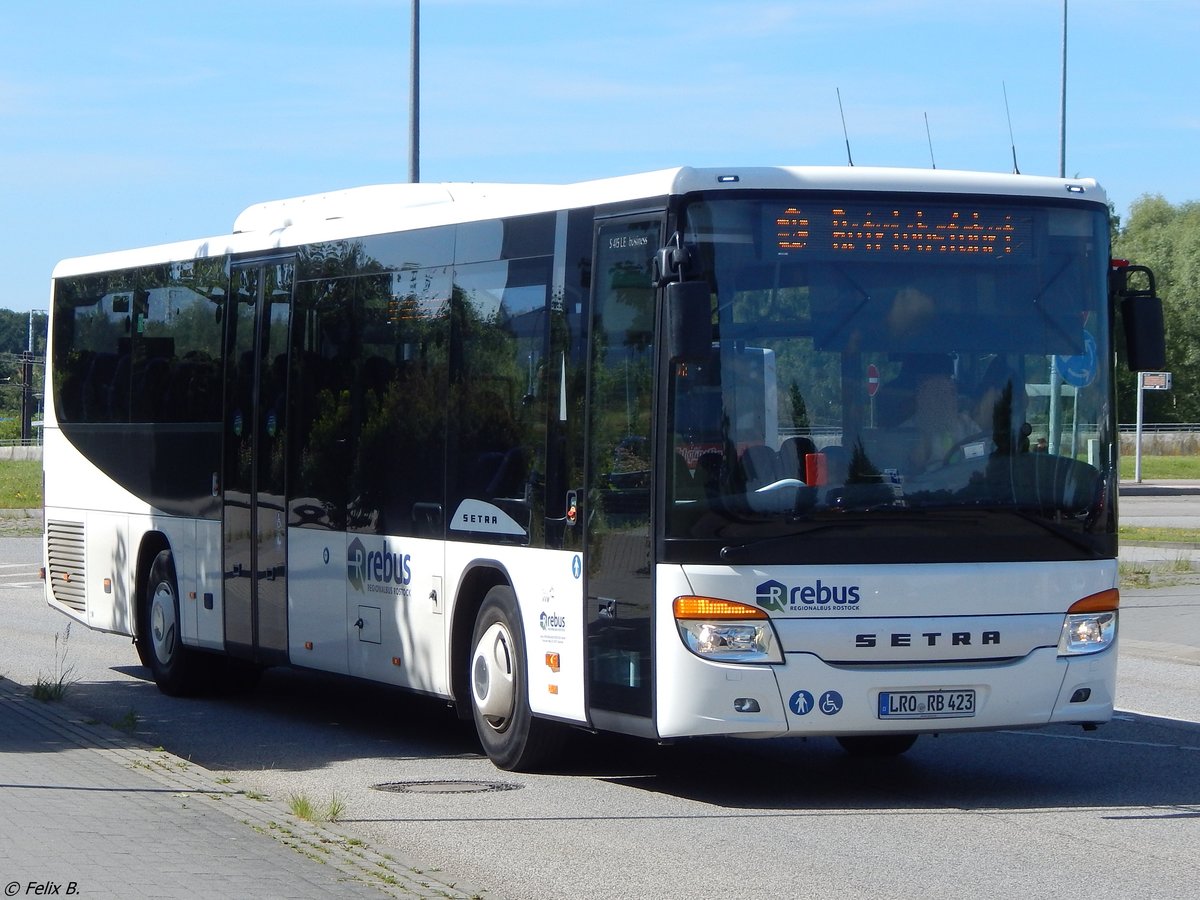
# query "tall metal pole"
(1062, 118)
(414, 97)
(27, 388)
(1054, 426)
(1137, 440)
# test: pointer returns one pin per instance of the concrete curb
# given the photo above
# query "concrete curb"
(1158, 488)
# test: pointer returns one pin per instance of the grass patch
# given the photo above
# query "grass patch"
(1134, 575)
(128, 723)
(55, 685)
(48, 689)
(1147, 535)
(1165, 468)
(304, 808)
(1180, 565)
(21, 484)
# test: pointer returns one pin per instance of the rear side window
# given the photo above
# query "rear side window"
(140, 345)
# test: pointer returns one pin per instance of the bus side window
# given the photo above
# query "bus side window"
(498, 394)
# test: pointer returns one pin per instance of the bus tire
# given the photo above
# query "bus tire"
(142, 642)
(877, 744)
(511, 736)
(175, 666)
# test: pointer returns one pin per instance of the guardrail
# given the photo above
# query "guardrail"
(1162, 428)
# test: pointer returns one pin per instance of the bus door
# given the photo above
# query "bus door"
(254, 515)
(617, 538)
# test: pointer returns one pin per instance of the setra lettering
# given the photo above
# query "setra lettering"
(479, 519)
(932, 639)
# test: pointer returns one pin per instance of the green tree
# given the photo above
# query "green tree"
(1167, 239)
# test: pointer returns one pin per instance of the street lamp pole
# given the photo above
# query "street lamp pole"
(27, 404)
(414, 98)
(1062, 117)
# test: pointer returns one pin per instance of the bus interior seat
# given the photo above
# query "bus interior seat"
(792, 454)
(761, 465)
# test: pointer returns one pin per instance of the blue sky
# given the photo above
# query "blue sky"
(135, 122)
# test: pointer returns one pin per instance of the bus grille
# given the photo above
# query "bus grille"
(65, 568)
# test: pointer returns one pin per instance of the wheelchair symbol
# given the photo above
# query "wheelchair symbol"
(831, 703)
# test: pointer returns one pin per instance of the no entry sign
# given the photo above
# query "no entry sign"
(872, 380)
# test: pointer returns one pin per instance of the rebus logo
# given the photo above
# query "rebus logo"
(774, 596)
(356, 564)
(378, 571)
(771, 596)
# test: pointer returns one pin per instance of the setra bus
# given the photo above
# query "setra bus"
(750, 452)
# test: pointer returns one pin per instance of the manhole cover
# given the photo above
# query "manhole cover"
(446, 787)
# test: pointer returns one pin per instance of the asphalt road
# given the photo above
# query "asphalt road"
(1032, 813)
(1169, 510)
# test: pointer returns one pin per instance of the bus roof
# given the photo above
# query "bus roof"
(378, 209)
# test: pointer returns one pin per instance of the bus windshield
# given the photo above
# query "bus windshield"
(932, 375)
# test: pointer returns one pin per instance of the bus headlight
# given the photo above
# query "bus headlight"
(726, 631)
(1090, 625)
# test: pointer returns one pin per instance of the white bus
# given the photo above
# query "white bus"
(742, 452)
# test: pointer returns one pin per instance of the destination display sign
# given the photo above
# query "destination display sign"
(891, 230)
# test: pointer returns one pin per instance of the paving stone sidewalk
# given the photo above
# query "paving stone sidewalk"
(87, 812)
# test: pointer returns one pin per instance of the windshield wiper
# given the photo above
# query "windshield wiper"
(1078, 541)
(731, 552)
(839, 519)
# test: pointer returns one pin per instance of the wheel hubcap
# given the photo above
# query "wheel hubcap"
(163, 628)
(493, 676)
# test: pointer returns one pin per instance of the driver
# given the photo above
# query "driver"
(936, 416)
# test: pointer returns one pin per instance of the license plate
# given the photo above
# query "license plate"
(926, 704)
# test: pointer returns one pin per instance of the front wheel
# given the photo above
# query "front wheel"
(511, 736)
(175, 667)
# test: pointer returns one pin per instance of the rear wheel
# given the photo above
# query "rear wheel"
(175, 666)
(511, 736)
(142, 644)
(878, 744)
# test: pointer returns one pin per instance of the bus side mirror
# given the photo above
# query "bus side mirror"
(1142, 315)
(1145, 340)
(689, 320)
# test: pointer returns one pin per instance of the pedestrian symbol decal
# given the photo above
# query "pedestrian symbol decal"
(801, 703)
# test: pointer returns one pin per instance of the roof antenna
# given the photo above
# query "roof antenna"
(929, 138)
(1011, 140)
(845, 133)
